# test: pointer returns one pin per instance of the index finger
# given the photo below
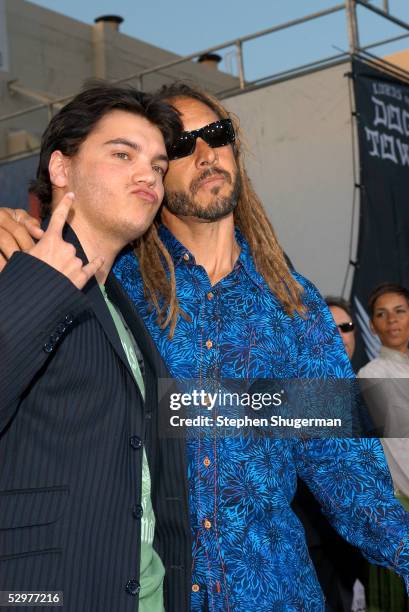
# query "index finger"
(60, 214)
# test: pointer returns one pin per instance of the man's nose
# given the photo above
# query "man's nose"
(204, 154)
(144, 173)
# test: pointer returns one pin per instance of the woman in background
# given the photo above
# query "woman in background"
(385, 385)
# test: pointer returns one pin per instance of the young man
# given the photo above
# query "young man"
(78, 371)
(245, 315)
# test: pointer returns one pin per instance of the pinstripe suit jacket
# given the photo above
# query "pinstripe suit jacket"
(72, 429)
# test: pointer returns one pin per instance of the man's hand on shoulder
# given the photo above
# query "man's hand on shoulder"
(54, 251)
(18, 230)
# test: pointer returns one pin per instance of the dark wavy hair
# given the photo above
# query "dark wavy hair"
(382, 289)
(69, 128)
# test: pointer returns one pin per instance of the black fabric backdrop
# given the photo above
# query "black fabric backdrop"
(382, 106)
(15, 177)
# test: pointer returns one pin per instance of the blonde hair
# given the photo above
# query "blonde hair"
(156, 265)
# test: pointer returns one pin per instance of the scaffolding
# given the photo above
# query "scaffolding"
(349, 7)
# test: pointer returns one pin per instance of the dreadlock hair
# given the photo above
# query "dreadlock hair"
(156, 265)
(158, 277)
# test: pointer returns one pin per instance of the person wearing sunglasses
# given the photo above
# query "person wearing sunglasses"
(337, 563)
(215, 291)
(341, 311)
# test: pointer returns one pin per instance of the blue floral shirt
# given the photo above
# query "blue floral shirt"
(249, 550)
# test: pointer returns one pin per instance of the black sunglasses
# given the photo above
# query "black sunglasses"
(217, 134)
(346, 327)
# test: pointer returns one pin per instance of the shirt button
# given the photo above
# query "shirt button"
(186, 257)
(135, 442)
(195, 588)
(210, 295)
(61, 328)
(209, 344)
(206, 461)
(207, 524)
(132, 587)
(68, 319)
(137, 511)
(48, 348)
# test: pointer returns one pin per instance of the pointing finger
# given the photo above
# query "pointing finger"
(60, 214)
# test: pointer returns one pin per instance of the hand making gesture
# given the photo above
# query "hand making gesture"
(54, 251)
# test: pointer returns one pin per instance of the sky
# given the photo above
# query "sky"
(186, 26)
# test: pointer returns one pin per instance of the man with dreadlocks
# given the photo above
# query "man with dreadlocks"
(215, 291)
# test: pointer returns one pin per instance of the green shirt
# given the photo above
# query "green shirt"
(151, 569)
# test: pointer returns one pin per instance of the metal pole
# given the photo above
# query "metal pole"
(386, 6)
(384, 41)
(14, 87)
(350, 11)
(240, 63)
(381, 13)
(231, 43)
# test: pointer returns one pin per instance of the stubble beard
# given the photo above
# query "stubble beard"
(186, 203)
(99, 198)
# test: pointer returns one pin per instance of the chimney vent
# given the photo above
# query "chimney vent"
(210, 59)
(114, 21)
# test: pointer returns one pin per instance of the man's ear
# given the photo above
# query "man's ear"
(58, 168)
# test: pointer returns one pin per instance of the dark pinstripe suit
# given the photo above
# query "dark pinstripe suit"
(72, 423)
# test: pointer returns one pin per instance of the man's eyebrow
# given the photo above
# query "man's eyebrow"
(134, 145)
(124, 141)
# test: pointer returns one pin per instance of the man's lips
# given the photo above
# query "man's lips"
(211, 180)
(146, 194)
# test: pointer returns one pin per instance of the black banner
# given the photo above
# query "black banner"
(382, 106)
(15, 178)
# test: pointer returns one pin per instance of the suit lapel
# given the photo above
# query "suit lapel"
(97, 300)
(94, 294)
